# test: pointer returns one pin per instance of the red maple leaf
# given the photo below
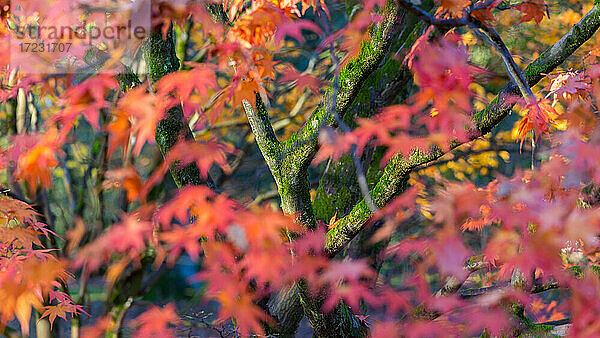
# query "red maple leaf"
(199, 80)
(568, 85)
(146, 110)
(204, 154)
(484, 15)
(294, 29)
(532, 10)
(451, 253)
(127, 178)
(86, 98)
(182, 238)
(302, 80)
(155, 322)
(333, 144)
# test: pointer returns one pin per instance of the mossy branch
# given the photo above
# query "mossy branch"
(160, 58)
(262, 129)
(301, 147)
(338, 189)
(395, 177)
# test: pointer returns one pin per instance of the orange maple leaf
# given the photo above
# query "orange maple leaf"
(455, 6)
(147, 110)
(203, 154)
(128, 178)
(14, 209)
(119, 130)
(190, 86)
(53, 311)
(537, 118)
(244, 88)
(34, 165)
(333, 222)
(257, 26)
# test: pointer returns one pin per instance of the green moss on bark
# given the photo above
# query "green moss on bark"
(161, 59)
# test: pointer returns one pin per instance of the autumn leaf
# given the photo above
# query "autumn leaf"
(13, 209)
(178, 207)
(178, 239)
(532, 10)
(155, 322)
(568, 86)
(265, 64)
(19, 236)
(257, 26)
(127, 237)
(444, 74)
(301, 80)
(462, 204)
(127, 178)
(99, 328)
(537, 118)
(294, 30)
(333, 144)
(23, 287)
(451, 253)
(86, 98)
(333, 222)
(204, 154)
(315, 4)
(34, 166)
(146, 110)
(484, 15)
(197, 205)
(353, 287)
(455, 6)
(352, 35)
(54, 311)
(388, 328)
(248, 316)
(119, 131)
(198, 81)
(75, 235)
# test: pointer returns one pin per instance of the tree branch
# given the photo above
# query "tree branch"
(301, 147)
(160, 57)
(492, 37)
(263, 132)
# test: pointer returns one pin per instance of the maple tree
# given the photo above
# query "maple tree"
(402, 199)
